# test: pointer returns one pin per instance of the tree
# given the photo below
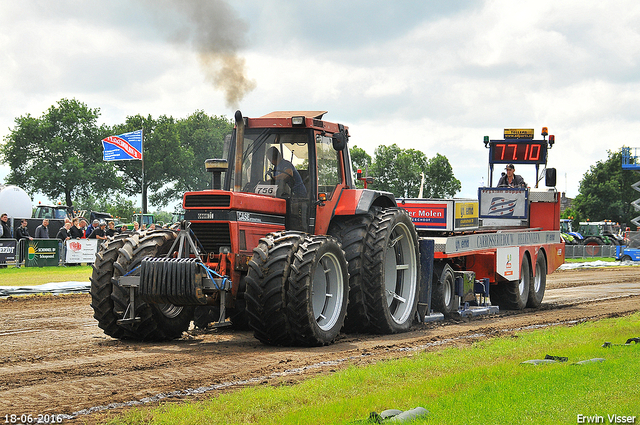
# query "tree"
(164, 158)
(399, 171)
(605, 191)
(201, 137)
(174, 155)
(574, 215)
(59, 154)
(360, 160)
(118, 206)
(439, 179)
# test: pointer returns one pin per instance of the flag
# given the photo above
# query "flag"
(126, 146)
(501, 206)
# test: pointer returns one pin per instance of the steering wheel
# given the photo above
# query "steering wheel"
(269, 175)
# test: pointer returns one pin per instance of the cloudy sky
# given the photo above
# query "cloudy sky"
(430, 75)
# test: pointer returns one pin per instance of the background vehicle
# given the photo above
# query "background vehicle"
(58, 212)
(568, 235)
(297, 265)
(598, 233)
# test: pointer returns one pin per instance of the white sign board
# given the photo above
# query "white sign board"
(81, 250)
(508, 263)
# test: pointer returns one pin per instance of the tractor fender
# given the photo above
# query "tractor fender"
(374, 198)
(360, 201)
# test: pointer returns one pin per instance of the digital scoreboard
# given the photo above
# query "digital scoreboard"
(518, 151)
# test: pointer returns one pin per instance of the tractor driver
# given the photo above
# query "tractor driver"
(511, 179)
(285, 172)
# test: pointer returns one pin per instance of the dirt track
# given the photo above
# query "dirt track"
(54, 359)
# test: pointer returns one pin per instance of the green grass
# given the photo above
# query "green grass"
(483, 383)
(27, 276)
(588, 259)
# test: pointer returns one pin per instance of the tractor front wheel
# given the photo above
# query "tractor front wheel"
(267, 283)
(318, 291)
(102, 287)
(158, 322)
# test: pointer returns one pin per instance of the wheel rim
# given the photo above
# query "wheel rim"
(448, 294)
(524, 274)
(327, 292)
(400, 272)
(537, 282)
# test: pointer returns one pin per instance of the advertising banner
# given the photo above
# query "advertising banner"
(428, 214)
(466, 216)
(126, 146)
(41, 252)
(81, 250)
(7, 250)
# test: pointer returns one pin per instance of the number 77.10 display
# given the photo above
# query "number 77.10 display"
(518, 151)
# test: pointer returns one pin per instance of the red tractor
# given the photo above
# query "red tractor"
(283, 243)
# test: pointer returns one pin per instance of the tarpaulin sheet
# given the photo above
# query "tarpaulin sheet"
(50, 288)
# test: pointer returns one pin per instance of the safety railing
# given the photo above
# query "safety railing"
(47, 252)
(590, 251)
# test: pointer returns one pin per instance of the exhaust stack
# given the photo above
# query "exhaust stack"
(237, 178)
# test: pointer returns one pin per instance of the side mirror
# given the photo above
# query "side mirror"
(550, 177)
(339, 141)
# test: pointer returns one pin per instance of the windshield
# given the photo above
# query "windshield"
(61, 214)
(275, 162)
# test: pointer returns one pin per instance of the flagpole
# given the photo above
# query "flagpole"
(144, 207)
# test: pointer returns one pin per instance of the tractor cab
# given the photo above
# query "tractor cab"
(293, 156)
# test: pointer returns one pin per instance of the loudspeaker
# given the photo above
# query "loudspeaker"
(550, 177)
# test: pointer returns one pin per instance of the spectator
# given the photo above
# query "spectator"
(136, 226)
(75, 232)
(124, 228)
(152, 226)
(111, 231)
(42, 231)
(511, 179)
(83, 227)
(5, 229)
(63, 233)
(94, 225)
(22, 232)
(99, 232)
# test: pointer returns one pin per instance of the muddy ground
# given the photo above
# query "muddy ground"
(55, 360)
